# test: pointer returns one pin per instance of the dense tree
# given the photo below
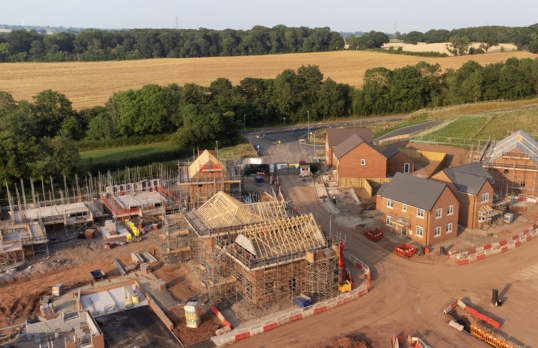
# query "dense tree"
(414, 37)
(459, 45)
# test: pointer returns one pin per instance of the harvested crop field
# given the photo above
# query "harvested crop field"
(441, 47)
(88, 84)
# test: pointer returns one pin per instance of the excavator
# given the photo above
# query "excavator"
(345, 280)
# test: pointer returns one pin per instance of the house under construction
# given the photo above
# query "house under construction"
(20, 242)
(145, 198)
(201, 179)
(254, 250)
(513, 163)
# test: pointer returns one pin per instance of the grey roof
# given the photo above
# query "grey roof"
(469, 178)
(337, 135)
(518, 140)
(382, 188)
(413, 191)
(390, 151)
(347, 145)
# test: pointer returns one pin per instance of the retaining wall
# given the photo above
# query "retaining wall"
(485, 251)
(297, 314)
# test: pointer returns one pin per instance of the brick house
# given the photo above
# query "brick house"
(513, 163)
(398, 161)
(356, 158)
(473, 187)
(424, 210)
(335, 136)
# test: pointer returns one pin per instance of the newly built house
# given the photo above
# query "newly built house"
(397, 161)
(335, 136)
(473, 187)
(424, 210)
(356, 158)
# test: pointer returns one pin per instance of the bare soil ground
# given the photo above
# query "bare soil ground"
(456, 155)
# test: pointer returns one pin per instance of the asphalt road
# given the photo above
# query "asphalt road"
(290, 150)
(412, 295)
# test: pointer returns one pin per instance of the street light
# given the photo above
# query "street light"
(217, 143)
(308, 130)
(245, 122)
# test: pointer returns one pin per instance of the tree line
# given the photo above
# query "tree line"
(42, 137)
(98, 45)
(525, 38)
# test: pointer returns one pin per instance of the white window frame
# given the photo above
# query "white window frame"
(420, 213)
(404, 207)
(484, 198)
(407, 168)
(437, 231)
(363, 162)
(439, 213)
(390, 204)
(450, 210)
(449, 227)
(388, 221)
(420, 231)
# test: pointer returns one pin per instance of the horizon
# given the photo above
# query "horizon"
(340, 16)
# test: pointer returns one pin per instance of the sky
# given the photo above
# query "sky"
(339, 15)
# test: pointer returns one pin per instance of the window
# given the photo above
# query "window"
(449, 227)
(419, 231)
(450, 210)
(437, 231)
(388, 221)
(389, 203)
(420, 213)
(363, 162)
(485, 197)
(404, 207)
(407, 168)
(438, 213)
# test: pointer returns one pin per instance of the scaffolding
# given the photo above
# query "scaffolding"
(22, 242)
(177, 239)
(512, 162)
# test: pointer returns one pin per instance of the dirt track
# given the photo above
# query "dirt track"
(413, 295)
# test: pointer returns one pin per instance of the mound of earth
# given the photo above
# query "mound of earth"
(347, 342)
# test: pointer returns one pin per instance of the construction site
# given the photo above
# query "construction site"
(248, 247)
(199, 252)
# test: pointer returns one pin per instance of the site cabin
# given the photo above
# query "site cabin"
(335, 136)
(473, 187)
(397, 161)
(356, 158)
(424, 210)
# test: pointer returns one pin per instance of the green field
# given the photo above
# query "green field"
(486, 126)
(122, 153)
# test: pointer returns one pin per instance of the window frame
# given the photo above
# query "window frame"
(420, 213)
(404, 207)
(446, 227)
(450, 210)
(388, 221)
(437, 231)
(408, 167)
(421, 234)
(390, 203)
(438, 213)
(363, 161)
(486, 196)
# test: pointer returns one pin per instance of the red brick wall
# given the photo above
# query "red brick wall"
(396, 164)
(349, 166)
(429, 222)
(469, 204)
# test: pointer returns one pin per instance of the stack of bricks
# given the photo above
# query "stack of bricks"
(58, 290)
(145, 268)
(160, 284)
